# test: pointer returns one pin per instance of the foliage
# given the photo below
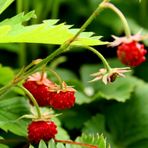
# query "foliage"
(113, 115)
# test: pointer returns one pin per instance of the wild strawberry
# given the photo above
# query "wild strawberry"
(62, 98)
(132, 53)
(39, 87)
(44, 130)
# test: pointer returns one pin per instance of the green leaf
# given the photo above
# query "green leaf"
(42, 144)
(60, 145)
(96, 140)
(30, 146)
(6, 75)
(4, 4)
(11, 110)
(48, 32)
(81, 98)
(74, 119)
(51, 144)
(128, 122)
(3, 146)
(94, 125)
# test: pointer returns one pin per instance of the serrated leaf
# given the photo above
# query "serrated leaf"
(93, 139)
(42, 144)
(128, 122)
(4, 4)
(48, 32)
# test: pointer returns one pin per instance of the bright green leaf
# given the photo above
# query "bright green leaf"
(42, 144)
(48, 32)
(60, 145)
(4, 4)
(51, 144)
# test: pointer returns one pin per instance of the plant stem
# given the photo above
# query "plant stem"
(32, 99)
(121, 16)
(76, 143)
(58, 78)
(88, 21)
(104, 61)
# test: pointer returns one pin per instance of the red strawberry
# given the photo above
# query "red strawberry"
(62, 98)
(131, 54)
(39, 88)
(44, 130)
(40, 92)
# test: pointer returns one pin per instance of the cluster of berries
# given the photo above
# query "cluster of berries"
(47, 93)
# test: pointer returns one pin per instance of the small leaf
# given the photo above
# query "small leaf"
(30, 146)
(51, 144)
(4, 4)
(60, 145)
(42, 144)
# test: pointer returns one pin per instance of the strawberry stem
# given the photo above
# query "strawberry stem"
(104, 61)
(58, 77)
(76, 143)
(32, 99)
(106, 4)
(43, 72)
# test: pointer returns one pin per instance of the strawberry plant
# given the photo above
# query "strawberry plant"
(43, 105)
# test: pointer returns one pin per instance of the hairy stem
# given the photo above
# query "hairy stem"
(32, 99)
(121, 16)
(104, 61)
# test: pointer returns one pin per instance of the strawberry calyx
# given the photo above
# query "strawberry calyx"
(62, 88)
(119, 40)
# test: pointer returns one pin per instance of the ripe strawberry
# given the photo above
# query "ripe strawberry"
(62, 98)
(40, 92)
(131, 54)
(39, 88)
(44, 130)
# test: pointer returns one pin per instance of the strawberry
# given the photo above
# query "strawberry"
(132, 53)
(62, 98)
(44, 130)
(39, 87)
(40, 92)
